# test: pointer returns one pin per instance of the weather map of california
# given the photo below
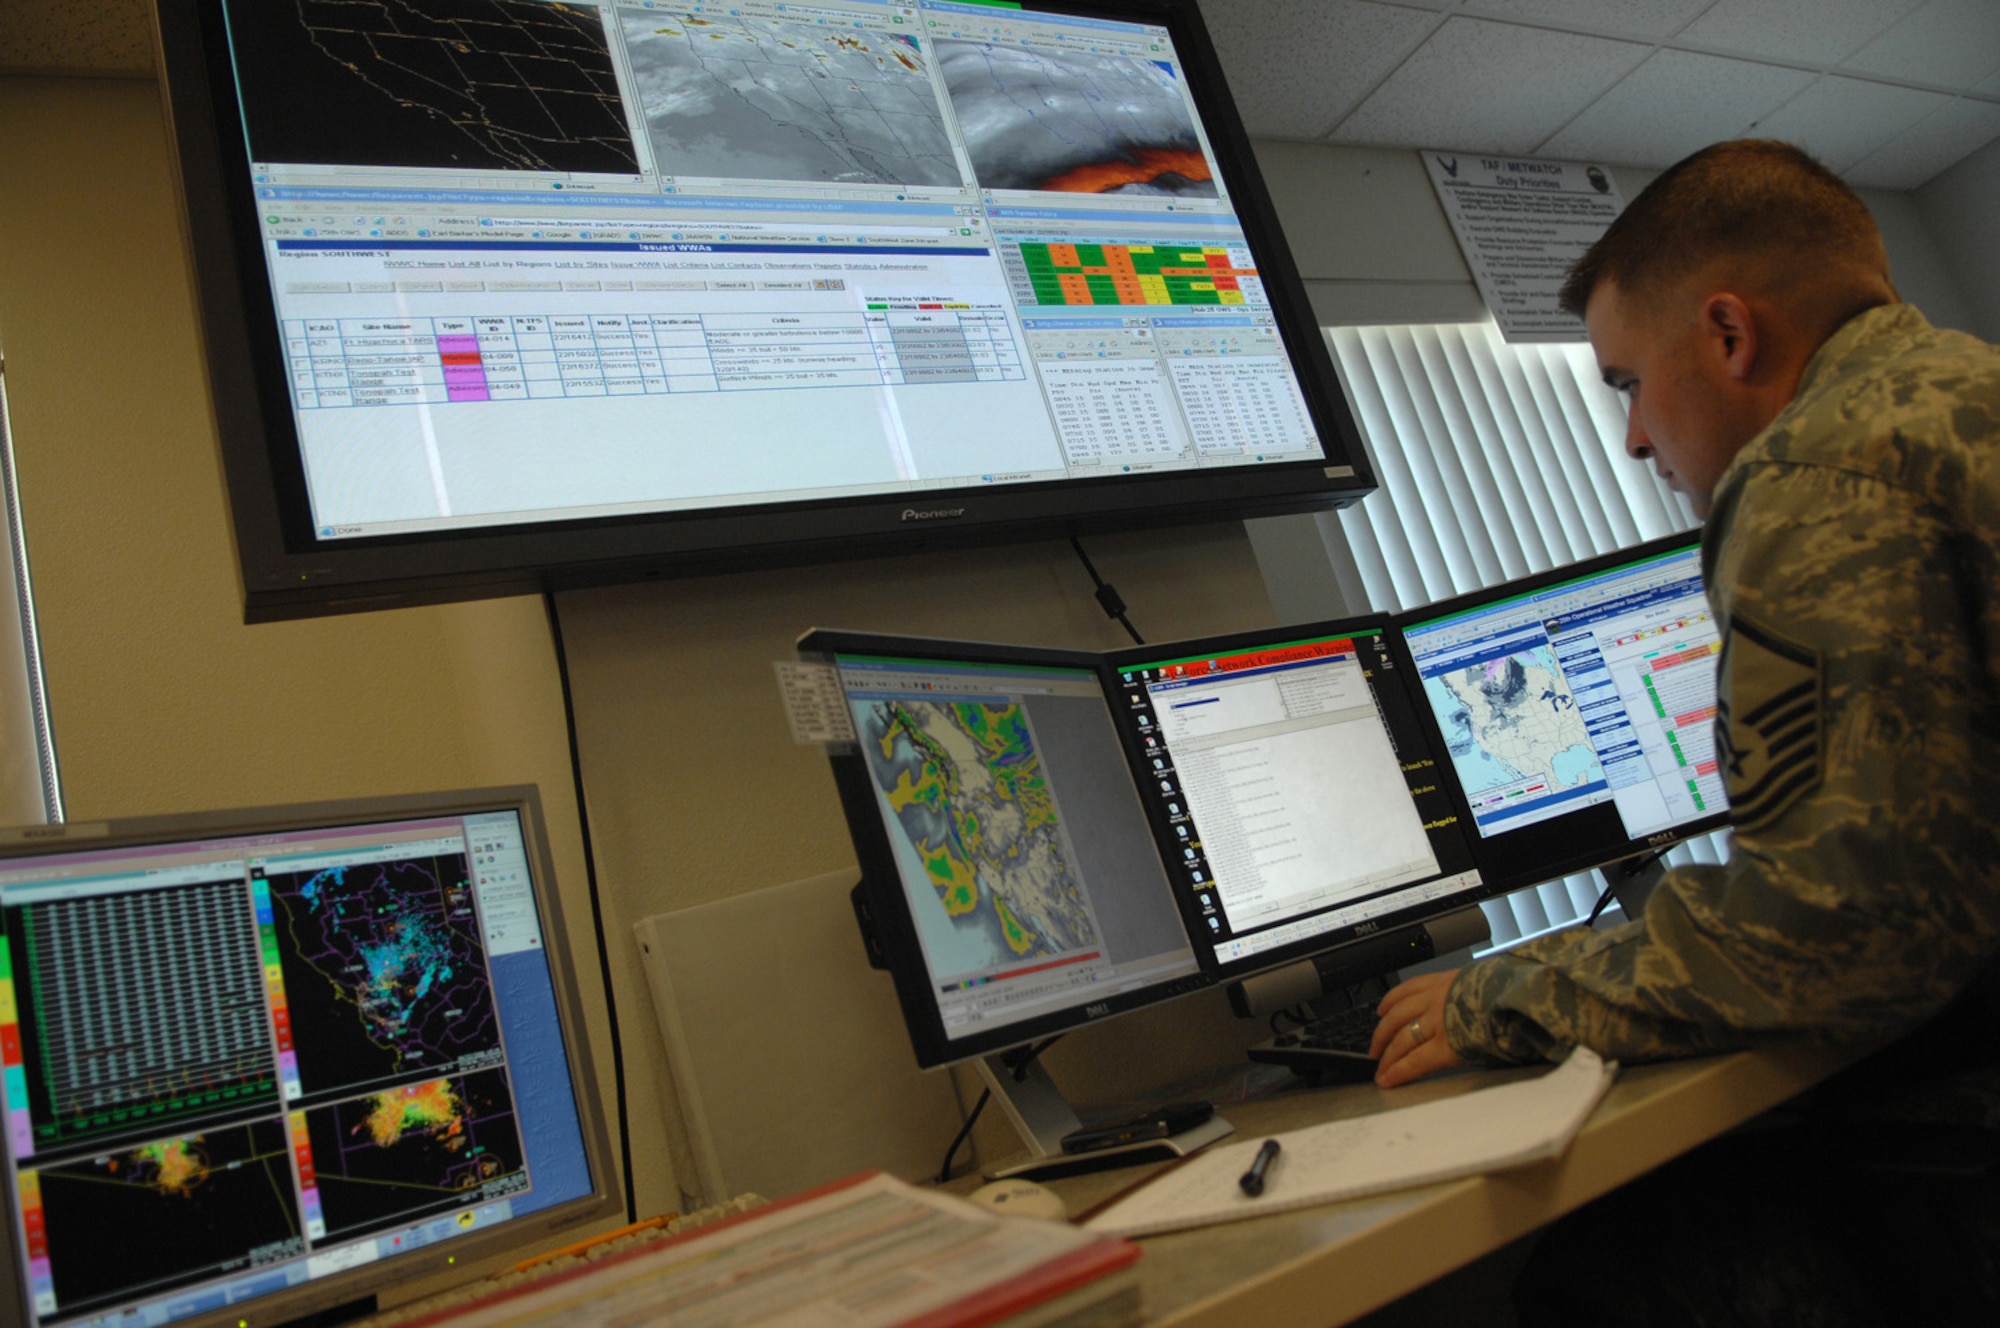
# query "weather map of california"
(384, 971)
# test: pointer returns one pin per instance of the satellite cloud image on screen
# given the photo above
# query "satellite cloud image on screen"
(1073, 121)
(770, 99)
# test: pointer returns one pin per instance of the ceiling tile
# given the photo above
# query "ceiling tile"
(1296, 66)
(1653, 20)
(1813, 32)
(1950, 42)
(1929, 146)
(1842, 120)
(110, 36)
(1488, 87)
(1673, 104)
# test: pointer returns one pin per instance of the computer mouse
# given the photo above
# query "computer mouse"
(1020, 1198)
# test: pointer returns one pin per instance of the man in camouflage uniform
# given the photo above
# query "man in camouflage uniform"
(1847, 457)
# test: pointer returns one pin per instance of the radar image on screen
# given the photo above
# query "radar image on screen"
(771, 99)
(440, 1144)
(965, 783)
(184, 1209)
(1073, 121)
(1514, 718)
(516, 85)
(384, 971)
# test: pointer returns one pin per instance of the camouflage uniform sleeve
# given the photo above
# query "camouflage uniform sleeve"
(1863, 889)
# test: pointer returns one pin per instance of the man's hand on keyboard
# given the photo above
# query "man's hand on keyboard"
(1409, 1043)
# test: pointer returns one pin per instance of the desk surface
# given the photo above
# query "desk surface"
(1330, 1264)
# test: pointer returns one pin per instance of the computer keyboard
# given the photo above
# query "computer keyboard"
(558, 1263)
(1331, 1049)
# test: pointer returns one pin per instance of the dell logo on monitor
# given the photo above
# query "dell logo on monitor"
(933, 514)
(1097, 1011)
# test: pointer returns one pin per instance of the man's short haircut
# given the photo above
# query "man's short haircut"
(1753, 199)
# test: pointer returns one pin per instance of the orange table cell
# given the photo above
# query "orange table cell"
(1063, 255)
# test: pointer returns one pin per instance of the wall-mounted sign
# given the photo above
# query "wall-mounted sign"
(1520, 224)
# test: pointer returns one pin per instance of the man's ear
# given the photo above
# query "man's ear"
(1730, 328)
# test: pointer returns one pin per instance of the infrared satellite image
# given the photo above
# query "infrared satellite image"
(1073, 121)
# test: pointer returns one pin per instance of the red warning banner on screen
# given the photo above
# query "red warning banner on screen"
(1259, 659)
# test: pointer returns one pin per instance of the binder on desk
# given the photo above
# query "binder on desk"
(867, 1252)
(1490, 1130)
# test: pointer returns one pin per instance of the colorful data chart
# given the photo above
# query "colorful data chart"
(1067, 274)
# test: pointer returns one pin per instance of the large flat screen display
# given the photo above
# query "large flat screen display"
(258, 1063)
(509, 294)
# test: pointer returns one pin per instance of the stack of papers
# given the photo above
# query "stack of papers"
(1489, 1130)
(868, 1252)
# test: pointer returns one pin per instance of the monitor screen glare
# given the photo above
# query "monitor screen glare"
(237, 1064)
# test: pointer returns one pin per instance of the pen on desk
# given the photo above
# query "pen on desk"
(1253, 1179)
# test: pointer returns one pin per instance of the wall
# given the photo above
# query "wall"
(1962, 206)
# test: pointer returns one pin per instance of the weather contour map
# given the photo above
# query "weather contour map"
(1073, 121)
(966, 784)
(384, 971)
(1511, 719)
(772, 99)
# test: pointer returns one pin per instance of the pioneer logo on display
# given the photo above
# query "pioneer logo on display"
(934, 514)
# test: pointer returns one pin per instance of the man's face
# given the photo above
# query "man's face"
(1676, 383)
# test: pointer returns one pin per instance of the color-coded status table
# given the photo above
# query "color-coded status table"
(1139, 274)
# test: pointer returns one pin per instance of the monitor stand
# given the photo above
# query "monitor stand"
(1042, 1116)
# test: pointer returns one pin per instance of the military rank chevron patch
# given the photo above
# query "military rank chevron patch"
(1772, 750)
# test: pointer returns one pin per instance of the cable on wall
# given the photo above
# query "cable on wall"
(1114, 606)
(596, 913)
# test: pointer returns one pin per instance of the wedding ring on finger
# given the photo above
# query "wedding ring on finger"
(1417, 1033)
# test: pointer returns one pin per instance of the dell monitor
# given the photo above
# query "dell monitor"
(1298, 794)
(1578, 709)
(260, 1064)
(1007, 860)
(511, 295)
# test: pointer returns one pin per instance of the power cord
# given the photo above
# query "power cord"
(1114, 607)
(596, 912)
(1017, 1062)
(1627, 869)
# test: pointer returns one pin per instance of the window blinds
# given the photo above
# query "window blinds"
(1495, 461)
